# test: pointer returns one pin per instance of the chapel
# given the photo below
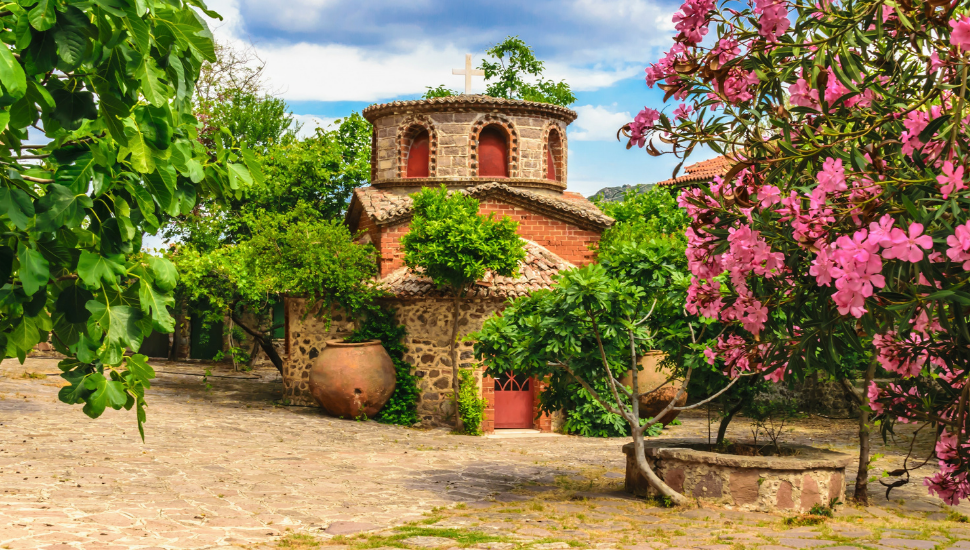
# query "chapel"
(512, 156)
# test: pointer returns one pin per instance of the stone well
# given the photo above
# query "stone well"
(754, 483)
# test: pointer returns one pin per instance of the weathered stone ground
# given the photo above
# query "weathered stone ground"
(229, 467)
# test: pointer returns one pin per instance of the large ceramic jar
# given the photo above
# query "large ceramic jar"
(650, 378)
(350, 380)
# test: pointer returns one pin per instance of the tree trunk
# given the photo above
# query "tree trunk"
(862, 478)
(652, 477)
(266, 344)
(722, 428)
(459, 425)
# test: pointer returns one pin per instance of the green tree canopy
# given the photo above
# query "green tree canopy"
(109, 86)
(516, 73)
(450, 242)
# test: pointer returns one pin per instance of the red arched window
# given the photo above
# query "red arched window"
(554, 156)
(493, 153)
(419, 156)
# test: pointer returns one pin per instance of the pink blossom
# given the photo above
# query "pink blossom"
(710, 355)
(774, 18)
(949, 486)
(832, 176)
(802, 95)
(906, 246)
(683, 111)
(951, 180)
(776, 375)
(769, 195)
(873, 394)
(959, 244)
(641, 124)
(692, 21)
(726, 50)
(935, 62)
(960, 37)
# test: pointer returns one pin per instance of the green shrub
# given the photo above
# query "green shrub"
(471, 406)
(381, 324)
(586, 417)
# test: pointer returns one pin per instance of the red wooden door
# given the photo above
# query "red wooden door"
(513, 402)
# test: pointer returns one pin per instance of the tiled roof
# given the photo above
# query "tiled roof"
(467, 102)
(385, 207)
(535, 273)
(702, 171)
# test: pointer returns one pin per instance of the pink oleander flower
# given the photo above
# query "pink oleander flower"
(774, 18)
(710, 355)
(935, 62)
(873, 395)
(949, 486)
(802, 95)
(959, 244)
(906, 246)
(832, 176)
(960, 37)
(769, 195)
(776, 375)
(726, 50)
(641, 123)
(683, 111)
(952, 179)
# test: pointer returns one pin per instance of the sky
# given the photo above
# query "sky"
(327, 58)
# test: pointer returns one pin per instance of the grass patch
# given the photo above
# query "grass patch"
(33, 375)
(298, 541)
(957, 517)
(802, 520)
(463, 538)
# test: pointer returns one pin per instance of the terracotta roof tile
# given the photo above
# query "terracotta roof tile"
(536, 272)
(386, 207)
(464, 102)
(702, 171)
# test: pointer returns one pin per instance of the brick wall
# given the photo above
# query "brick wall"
(563, 239)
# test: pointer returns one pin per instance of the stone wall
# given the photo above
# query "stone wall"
(754, 483)
(454, 135)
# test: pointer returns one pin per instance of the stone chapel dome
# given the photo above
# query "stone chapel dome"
(466, 140)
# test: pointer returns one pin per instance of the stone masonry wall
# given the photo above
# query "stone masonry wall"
(429, 330)
(454, 155)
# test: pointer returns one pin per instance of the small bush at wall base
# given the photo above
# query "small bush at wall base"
(471, 406)
(381, 324)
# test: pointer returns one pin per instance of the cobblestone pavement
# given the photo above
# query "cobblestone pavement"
(229, 467)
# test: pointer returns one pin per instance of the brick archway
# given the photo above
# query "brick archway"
(511, 132)
(554, 148)
(406, 132)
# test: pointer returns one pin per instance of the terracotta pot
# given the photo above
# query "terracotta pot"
(648, 379)
(349, 380)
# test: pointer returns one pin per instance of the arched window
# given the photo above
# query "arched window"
(493, 153)
(554, 156)
(419, 156)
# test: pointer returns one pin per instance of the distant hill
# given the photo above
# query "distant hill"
(611, 194)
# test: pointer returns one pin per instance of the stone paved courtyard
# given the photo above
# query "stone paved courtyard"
(230, 467)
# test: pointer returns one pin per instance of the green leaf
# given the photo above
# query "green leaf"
(254, 167)
(158, 188)
(34, 270)
(114, 7)
(154, 90)
(12, 74)
(138, 30)
(71, 303)
(115, 392)
(141, 370)
(238, 172)
(120, 324)
(42, 16)
(97, 400)
(56, 205)
(70, 35)
(166, 277)
(17, 206)
(77, 175)
(25, 335)
(73, 108)
(94, 268)
(155, 303)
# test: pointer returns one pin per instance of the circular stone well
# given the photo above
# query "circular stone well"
(756, 483)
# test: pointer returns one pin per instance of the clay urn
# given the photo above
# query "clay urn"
(352, 379)
(650, 378)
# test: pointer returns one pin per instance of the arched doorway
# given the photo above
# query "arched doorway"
(493, 153)
(419, 156)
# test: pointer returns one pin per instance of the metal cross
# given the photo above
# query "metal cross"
(468, 72)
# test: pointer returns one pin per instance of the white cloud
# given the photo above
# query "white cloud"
(597, 123)
(311, 122)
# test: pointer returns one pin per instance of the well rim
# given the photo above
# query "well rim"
(675, 449)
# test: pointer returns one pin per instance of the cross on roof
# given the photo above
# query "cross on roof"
(468, 72)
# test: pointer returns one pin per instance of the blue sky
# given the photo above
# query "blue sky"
(330, 57)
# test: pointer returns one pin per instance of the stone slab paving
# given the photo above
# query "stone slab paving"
(230, 467)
